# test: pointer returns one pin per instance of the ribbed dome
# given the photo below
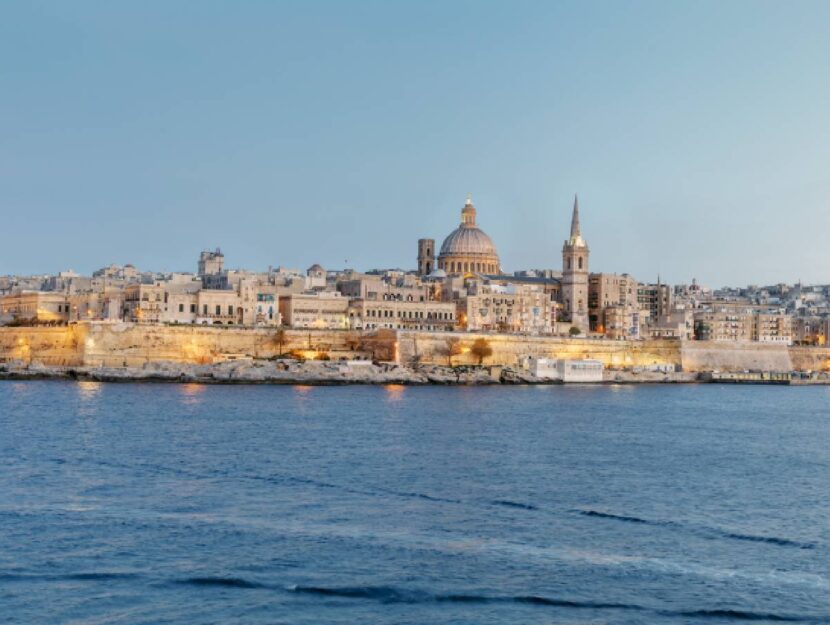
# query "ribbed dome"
(467, 249)
(466, 240)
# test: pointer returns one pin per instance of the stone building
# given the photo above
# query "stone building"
(466, 250)
(211, 263)
(678, 323)
(810, 330)
(34, 307)
(612, 304)
(493, 307)
(574, 291)
(396, 302)
(143, 303)
(772, 328)
(400, 314)
(320, 309)
(722, 325)
(654, 300)
(733, 325)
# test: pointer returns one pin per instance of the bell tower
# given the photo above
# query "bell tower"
(426, 256)
(575, 274)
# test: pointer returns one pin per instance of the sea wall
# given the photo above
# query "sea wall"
(722, 356)
(810, 358)
(432, 347)
(131, 345)
(60, 346)
(134, 345)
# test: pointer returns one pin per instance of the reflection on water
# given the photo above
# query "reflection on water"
(394, 392)
(88, 393)
(192, 394)
(301, 391)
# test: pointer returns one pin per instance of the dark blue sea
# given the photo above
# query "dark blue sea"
(156, 503)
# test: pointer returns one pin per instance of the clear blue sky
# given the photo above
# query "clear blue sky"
(697, 134)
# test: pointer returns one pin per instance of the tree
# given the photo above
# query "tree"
(450, 348)
(574, 331)
(481, 349)
(279, 340)
(353, 341)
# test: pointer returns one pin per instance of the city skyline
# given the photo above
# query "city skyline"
(293, 136)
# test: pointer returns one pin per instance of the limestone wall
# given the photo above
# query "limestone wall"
(125, 344)
(133, 345)
(51, 346)
(508, 349)
(810, 358)
(723, 356)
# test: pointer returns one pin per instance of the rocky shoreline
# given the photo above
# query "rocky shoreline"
(312, 373)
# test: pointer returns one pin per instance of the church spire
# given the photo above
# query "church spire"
(575, 233)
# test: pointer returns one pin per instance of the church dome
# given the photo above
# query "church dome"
(468, 249)
(467, 240)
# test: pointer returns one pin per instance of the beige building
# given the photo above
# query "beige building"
(401, 314)
(218, 307)
(772, 328)
(733, 325)
(397, 302)
(211, 263)
(620, 322)
(34, 307)
(100, 305)
(721, 325)
(679, 323)
(143, 303)
(612, 305)
(522, 309)
(810, 330)
(655, 300)
(321, 309)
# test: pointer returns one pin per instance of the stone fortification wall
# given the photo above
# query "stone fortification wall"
(507, 349)
(135, 344)
(123, 344)
(722, 356)
(116, 345)
(60, 346)
(810, 358)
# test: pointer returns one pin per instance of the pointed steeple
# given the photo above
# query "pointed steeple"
(575, 233)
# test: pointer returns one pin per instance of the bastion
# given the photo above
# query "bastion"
(100, 344)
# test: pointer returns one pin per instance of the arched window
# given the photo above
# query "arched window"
(580, 262)
(569, 263)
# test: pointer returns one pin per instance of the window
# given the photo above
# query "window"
(204, 309)
(218, 309)
(193, 308)
(580, 262)
(230, 310)
(181, 307)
